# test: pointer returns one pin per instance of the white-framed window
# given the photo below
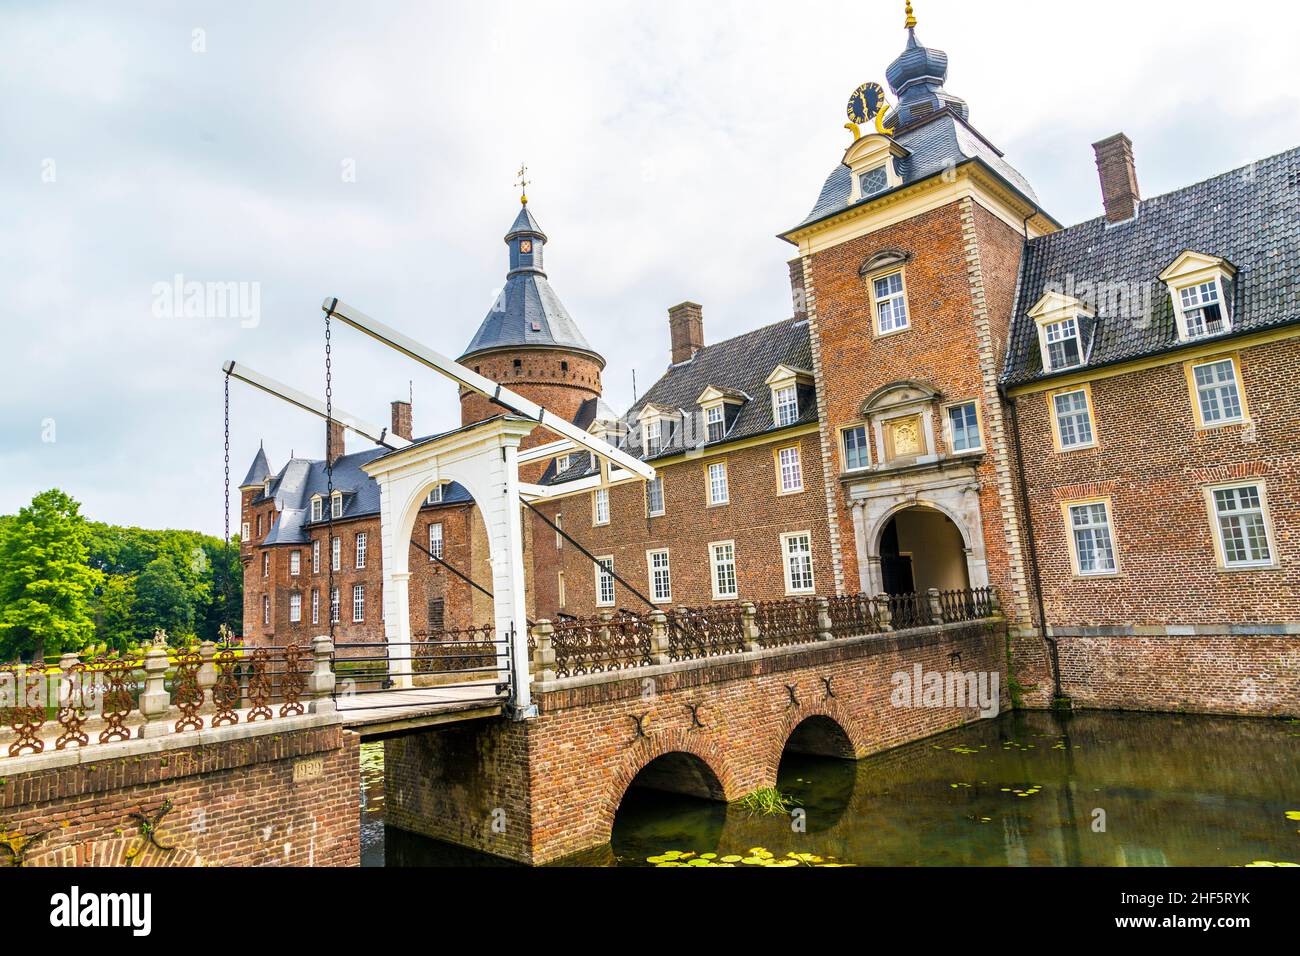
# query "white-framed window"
(361, 550)
(562, 464)
(336, 553)
(1072, 412)
(334, 605)
(317, 508)
(654, 496)
(315, 556)
(715, 423)
(661, 582)
(600, 506)
(651, 435)
(785, 402)
(435, 495)
(890, 299)
(259, 526)
(295, 607)
(559, 526)
(1202, 309)
(853, 442)
(295, 563)
(717, 478)
(722, 562)
(605, 581)
(336, 505)
(1218, 396)
(266, 609)
(796, 549)
(874, 180)
(315, 607)
(1062, 346)
(1241, 525)
(964, 427)
(789, 470)
(358, 603)
(435, 540)
(266, 564)
(560, 592)
(243, 536)
(266, 488)
(1090, 537)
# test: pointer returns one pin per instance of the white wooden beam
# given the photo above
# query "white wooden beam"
(547, 451)
(377, 434)
(484, 386)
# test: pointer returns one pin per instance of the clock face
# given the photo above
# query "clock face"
(867, 100)
(525, 246)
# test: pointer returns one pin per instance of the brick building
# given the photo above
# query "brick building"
(1099, 421)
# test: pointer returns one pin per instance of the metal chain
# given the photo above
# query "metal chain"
(225, 542)
(329, 476)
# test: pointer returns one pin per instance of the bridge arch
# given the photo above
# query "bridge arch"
(823, 728)
(699, 766)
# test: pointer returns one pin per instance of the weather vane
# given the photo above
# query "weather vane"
(911, 20)
(523, 184)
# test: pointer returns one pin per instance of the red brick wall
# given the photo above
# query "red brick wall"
(234, 803)
(755, 518)
(1153, 463)
(583, 751)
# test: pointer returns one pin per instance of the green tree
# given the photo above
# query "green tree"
(162, 600)
(115, 623)
(45, 581)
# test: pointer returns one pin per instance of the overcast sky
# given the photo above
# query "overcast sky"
(368, 151)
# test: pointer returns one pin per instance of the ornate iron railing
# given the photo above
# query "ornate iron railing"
(608, 642)
(457, 649)
(103, 699)
(791, 621)
(909, 610)
(853, 614)
(967, 604)
(698, 632)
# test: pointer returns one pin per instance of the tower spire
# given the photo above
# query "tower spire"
(911, 20)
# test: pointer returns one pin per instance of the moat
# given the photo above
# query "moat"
(1025, 789)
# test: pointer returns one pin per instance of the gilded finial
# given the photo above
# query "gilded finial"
(522, 183)
(911, 20)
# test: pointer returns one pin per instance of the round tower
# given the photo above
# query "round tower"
(529, 343)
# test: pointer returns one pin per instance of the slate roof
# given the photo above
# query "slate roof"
(527, 312)
(258, 470)
(300, 479)
(933, 145)
(1249, 216)
(742, 364)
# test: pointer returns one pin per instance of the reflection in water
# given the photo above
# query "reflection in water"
(1026, 789)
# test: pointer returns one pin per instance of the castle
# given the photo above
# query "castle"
(1099, 421)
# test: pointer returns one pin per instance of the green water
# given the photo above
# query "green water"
(1025, 789)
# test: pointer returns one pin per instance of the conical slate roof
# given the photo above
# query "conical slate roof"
(258, 470)
(527, 312)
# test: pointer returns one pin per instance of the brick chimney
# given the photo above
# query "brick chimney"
(401, 420)
(1119, 185)
(686, 322)
(333, 441)
(797, 293)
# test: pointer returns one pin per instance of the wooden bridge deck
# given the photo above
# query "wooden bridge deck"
(393, 712)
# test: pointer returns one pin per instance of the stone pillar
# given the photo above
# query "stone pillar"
(321, 680)
(749, 625)
(936, 606)
(155, 701)
(207, 676)
(995, 605)
(883, 613)
(543, 651)
(823, 605)
(659, 641)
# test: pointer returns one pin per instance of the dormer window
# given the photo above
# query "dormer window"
(562, 464)
(652, 437)
(1062, 341)
(1201, 287)
(873, 181)
(317, 508)
(336, 505)
(785, 401)
(1065, 327)
(435, 495)
(715, 423)
(266, 488)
